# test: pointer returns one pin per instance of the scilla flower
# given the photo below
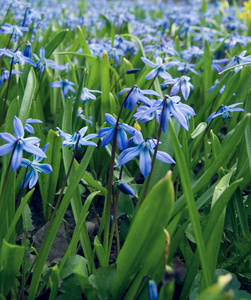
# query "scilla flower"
(143, 150)
(159, 68)
(19, 144)
(35, 167)
(224, 111)
(71, 140)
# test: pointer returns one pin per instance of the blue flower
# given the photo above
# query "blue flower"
(216, 64)
(107, 133)
(28, 50)
(124, 187)
(19, 144)
(180, 84)
(28, 127)
(159, 69)
(83, 117)
(14, 30)
(183, 67)
(5, 75)
(34, 168)
(18, 57)
(142, 151)
(71, 140)
(225, 110)
(87, 96)
(65, 84)
(173, 108)
(239, 59)
(137, 95)
(152, 290)
(42, 62)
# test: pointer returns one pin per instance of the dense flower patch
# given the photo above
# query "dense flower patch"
(145, 107)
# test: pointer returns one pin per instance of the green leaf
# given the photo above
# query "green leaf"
(192, 209)
(54, 282)
(145, 237)
(18, 213)
(199, 129)
(48, 182)
(28, 96)
(27, 220)
(102, 280)
(125, 206)
(99, 249)
(10, 262)
(106, 105)
(70, 264)
(55, 42)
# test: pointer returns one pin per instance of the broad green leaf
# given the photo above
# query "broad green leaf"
(146, 229)
(55, 42)
(10, 262)
(27, 220)
(188, 192)
(99, 249)
(28, 96)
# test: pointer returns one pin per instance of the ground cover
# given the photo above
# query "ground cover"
(125, 150)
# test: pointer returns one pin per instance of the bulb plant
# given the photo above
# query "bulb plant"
(141, 112)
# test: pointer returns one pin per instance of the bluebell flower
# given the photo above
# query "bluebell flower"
(108, 132)
(216, 64)
(14, 30)
(19, 144)
(180, 84)
(239, 59)
(141, 110)
(71, 140)
(42, 62)
(183, 67)
(125, 188)
(82, 116)
(224, 111)
(18, 57)
(65, 84)
(28, 128)
(152, 290)
(173, 108)
(5, 75)
(159, 68)
(28, 50)
(143, 150)
(192, 52)
(115, 53)
(137, 95)
(214, 86)
(87, 96)
(35, 167)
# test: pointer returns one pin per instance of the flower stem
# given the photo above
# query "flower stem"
(107, 209)
(155, 153)
(40, 83)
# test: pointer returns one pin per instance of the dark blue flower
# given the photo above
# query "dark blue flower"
(34, 168)
(65, 84)
(28, 50)
(71, 140)
(107, 133)
(152, 290)
(137, 95)
(19, 144)
(124, 187)
(224, 111)
(143, 150)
